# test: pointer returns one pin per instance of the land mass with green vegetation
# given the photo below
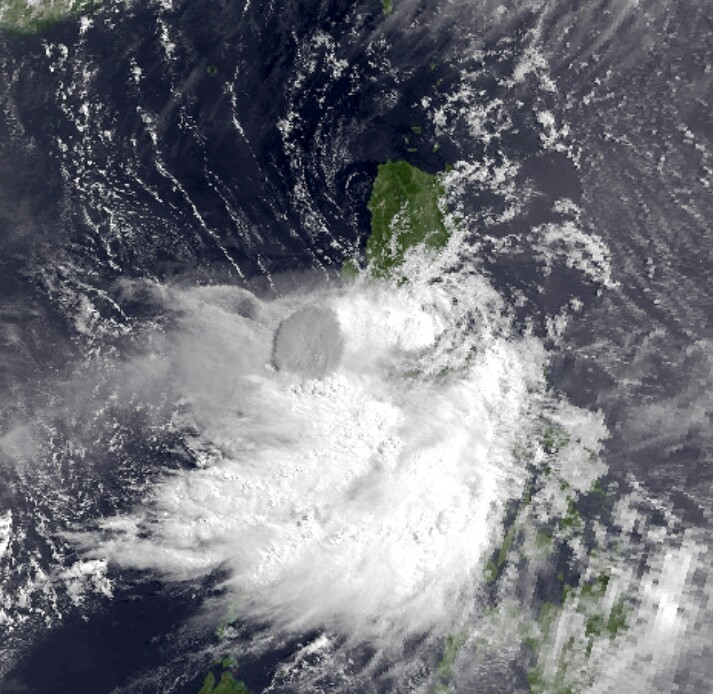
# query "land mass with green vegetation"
(28, 17)
(404, 213)
(226, 685)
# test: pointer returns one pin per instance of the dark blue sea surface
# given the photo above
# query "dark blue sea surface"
(208, 142)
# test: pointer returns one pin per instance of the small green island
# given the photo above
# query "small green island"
(226, 685)
(404, 213)
(33, 16)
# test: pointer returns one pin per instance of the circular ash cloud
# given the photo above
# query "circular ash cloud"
(309, 343)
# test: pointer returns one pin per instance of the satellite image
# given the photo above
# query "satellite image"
(356, 347)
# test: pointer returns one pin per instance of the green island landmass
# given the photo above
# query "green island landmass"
(565, 633)
(29, 17)
(387, 6)
(226, 685)
(569, 674)
(404, 213)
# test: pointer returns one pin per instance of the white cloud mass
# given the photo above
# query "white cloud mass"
(363, 501)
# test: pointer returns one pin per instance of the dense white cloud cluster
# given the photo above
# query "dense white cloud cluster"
(365, 500)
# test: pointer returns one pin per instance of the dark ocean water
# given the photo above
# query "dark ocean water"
(229, 142)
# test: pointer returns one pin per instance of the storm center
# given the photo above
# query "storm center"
(308, 343)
